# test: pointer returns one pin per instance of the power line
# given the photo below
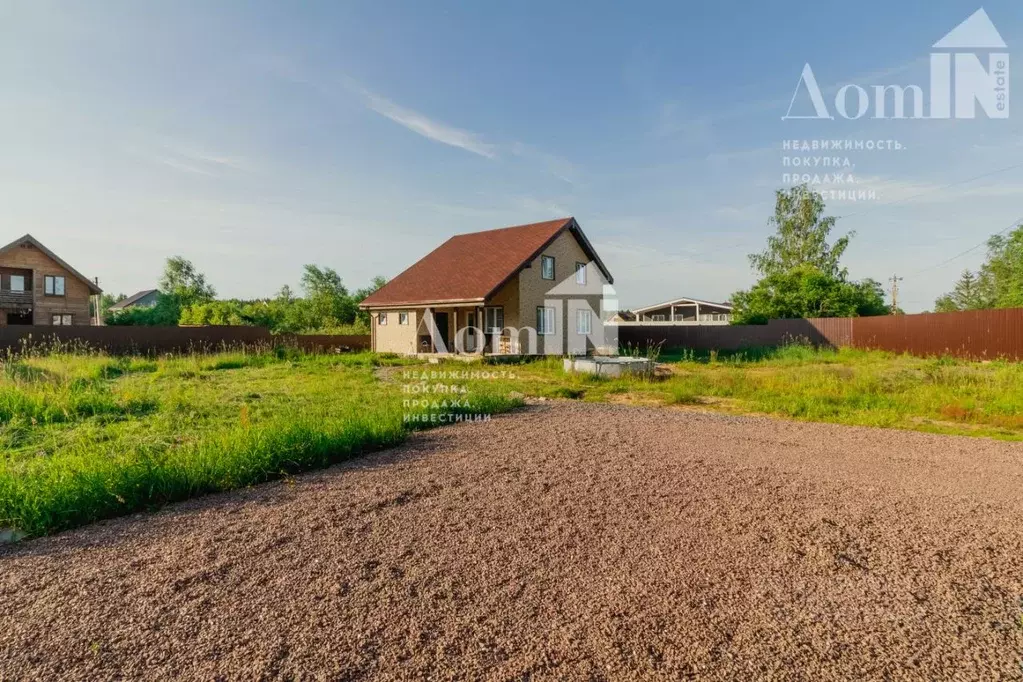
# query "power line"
(936, 189)
(1016, 222)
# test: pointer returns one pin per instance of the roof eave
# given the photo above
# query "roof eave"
(421, 304)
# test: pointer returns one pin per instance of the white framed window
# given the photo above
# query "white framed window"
(493, 322)
(583, 322)
(580, 273)
(62, 320)
(381, 319)
(544, 321)
(17, 282)
(547, 267)
(53, 285)
(657, 318)
(402, 318)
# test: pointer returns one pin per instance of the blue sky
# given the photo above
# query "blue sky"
(256, 137)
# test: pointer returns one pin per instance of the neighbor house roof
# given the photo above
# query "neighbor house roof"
(133, 299)
(472, 267)
(93, 287)
(680, 301)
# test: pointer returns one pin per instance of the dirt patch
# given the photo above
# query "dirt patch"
(568, 541)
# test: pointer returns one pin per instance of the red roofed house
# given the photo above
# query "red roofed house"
(499, 282)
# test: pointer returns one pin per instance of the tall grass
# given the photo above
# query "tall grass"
(90, 437)
(846, 386)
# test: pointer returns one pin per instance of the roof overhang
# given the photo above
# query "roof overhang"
(681, 301)
(459, 303)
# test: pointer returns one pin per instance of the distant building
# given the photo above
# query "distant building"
(141, 299)
(683, 311)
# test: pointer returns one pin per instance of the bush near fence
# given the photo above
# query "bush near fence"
(158, 340)
(975, 334)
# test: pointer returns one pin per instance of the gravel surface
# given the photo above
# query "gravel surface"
(566, 541)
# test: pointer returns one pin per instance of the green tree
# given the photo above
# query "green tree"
(801, 273)
(998, 283)
(361, 294)
(180, 286)
(105, 301)
(183, 282)
(971, 292)
(328, 299)
(805, 291)
(1004, 269)
(801, 235)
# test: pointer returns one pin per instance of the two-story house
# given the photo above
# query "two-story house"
(38, 287)
(525, 290)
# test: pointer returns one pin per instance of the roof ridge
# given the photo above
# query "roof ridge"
(516, 227)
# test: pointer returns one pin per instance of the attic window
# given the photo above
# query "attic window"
(580, 273)
(53, 285)
(547, 267)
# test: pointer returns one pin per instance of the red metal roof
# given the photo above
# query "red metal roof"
(471, 267)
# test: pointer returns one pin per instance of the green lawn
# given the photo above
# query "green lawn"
(87, 437)
(846, 386)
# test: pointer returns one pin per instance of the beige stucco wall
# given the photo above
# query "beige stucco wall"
(393, 337)
(75, 300)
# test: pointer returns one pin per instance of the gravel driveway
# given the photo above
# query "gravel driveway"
(565, 541)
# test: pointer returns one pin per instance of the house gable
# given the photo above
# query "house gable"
(27, 251)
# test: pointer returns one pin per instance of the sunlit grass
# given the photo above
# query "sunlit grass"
(87, 437)
(844, 386)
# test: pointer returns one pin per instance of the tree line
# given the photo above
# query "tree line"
(801, 275)
(185, 297)
(997, 284)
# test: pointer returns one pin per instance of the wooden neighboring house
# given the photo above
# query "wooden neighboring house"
(146, 298)
(684, 311)
(38, 287)
(502, 282)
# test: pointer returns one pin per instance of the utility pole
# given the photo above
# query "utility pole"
(894, 280)
(99, 301)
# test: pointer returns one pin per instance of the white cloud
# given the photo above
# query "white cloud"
(423, 125)
(189, 158)
(179, 165)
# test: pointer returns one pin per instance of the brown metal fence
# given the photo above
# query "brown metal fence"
(980, 334)
(156, 340)
(976, 334)
(819, 332)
